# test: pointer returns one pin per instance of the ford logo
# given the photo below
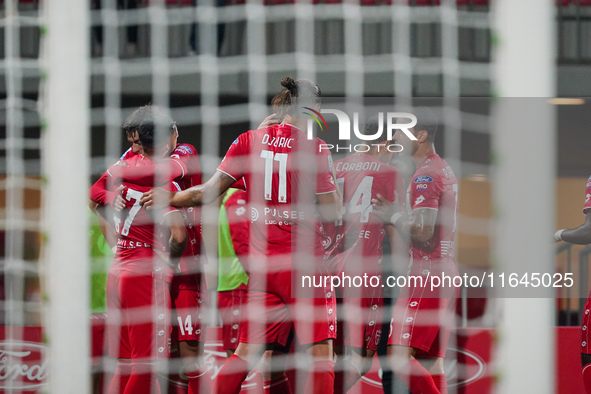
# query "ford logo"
(22, 365)
(461, 374)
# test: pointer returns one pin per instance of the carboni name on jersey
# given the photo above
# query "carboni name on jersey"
(360, 166)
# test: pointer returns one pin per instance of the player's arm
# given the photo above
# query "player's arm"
(329, 197)
(192, 197)
(330, 205)
(145, 175)
(580, 235)
(178, 234)
(419, 227)
(106, 226)
(99, 191)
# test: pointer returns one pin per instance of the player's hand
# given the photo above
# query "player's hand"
(270, 120)
(383, 208)
(119, 203)
(155, 198)
(165, 258)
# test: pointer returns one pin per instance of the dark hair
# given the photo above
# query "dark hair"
(132, 122)
(148, 127)
(372, 126)
(426, 120)
(297, 93)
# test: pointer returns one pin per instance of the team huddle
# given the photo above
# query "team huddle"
(286, 210)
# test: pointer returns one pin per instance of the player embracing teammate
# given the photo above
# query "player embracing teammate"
(291, 189)
(179, 162)
(290, 183)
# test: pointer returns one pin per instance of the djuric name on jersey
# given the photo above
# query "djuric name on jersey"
(278, 142)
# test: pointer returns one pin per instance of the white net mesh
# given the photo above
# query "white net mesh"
(214, 65)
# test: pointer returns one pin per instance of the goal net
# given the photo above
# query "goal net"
(75, 71)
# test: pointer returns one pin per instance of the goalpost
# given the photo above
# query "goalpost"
(525, 76)
(66, 266)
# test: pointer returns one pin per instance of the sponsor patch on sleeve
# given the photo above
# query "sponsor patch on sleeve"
(423, 179)
(183, 150)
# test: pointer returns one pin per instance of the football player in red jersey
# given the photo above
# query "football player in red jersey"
(357, 248)
(289, 179)
(188, 288)
(419, 329)
(582, 236)
(138, 293)
(99, 192)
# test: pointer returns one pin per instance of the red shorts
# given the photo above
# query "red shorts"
(138, 315)
(230, 305)
(271, 312)
(362, 305)
(188, 315)
(585, 327)
(422, 317)
(363, 321)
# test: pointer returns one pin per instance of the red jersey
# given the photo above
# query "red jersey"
(183, 166)
(186, 157)
(137, 234)
(283, 171)
(101, 192)
(359, 233)
(128, 154)
(587, 204)
(434, 186)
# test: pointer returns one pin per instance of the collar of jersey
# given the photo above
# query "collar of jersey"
(289, 124)
(426, 158)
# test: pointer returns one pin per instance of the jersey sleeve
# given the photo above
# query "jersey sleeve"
(236, 161)
(172, 187)
(587, 196)
(426, 191)
(145, 175)
(239, 184)
(324, 180)
(99, 192)
(185, 157)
